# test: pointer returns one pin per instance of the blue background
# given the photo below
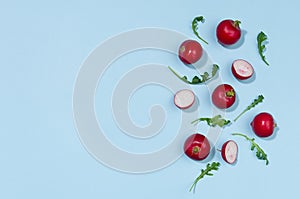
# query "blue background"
(42, 45)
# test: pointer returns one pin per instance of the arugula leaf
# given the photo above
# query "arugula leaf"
(260, 154)
(259, 99)
(197, 80)
(209, 167)
(214, 121)
(195, 27)
(214, 70)
(262, 38)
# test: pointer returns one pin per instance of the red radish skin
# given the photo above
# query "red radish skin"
(229, 151)
(263, 124)
(223, 96)
(228, 32)
(197, 147)
(184, 99)
(242, 69)
(190, 51)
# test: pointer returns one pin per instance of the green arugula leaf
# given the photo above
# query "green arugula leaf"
(197, 80)
(260, 154)
(262, 38)
(214, 166)
(259, 99)
(195, 27)
(214, 70)
(214, 121)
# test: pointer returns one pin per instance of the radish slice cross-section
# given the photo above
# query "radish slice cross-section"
(229, 151)
(242, 69)
(184, 99)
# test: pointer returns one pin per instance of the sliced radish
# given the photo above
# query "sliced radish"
(242, 69)
(229, 151)
(184, 99)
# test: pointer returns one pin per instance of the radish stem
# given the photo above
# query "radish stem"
(236, 23)
(196, 149)
(230, 93)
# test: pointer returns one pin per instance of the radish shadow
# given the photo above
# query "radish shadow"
(194, 107)
(200, 63)
(273, 136)
(250, 80)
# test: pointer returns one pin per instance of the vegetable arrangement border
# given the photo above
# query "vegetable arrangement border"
(197, 146)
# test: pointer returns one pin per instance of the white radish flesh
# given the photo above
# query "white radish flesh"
(184, 99)
(242, 69)
(229, 151)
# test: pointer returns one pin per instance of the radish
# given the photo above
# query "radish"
(223, 96)
(229, 151)
(184, 99)
(197, 146)
(242, 69)
(228, 31)
(263, 124)
(190, 51)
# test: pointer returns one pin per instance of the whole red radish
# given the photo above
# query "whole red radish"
(263, 124)
(242, 69)
(228, 32)
(197, 147)
(190, 51)
(229, 151)
(184, 99)
(223, 96)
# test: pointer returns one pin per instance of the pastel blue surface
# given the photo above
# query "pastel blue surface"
(42, 46)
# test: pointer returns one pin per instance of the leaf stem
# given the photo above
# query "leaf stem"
(209, 168)
(196, 80)
(260, 154)
(177, 75)
(242, 113)
(256, 101)
(214, 121)
(196, 121)
(195, 27)
(240, 134)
